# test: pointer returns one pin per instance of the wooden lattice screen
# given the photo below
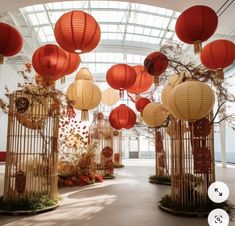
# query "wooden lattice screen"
(31, 163)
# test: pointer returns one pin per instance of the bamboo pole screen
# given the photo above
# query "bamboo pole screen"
(31, 163)
(192, 164)
(101, 133)
(162, 152)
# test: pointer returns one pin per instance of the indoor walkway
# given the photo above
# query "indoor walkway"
(128, 200)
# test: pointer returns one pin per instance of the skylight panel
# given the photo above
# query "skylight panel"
(130, 29)
(42, 18)
(41, 35)
(119, 36)
(33, 19)
(48, 30)
(137, 38)
(172, 24)
(50, 38)
(147, 31)
(169, 34)
(38, 8)
(29, 9)
(155, 32)
(139, 30)
(67, 5)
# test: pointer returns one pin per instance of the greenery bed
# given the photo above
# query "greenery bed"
(27, 203)
(198, 209)
(160, 180)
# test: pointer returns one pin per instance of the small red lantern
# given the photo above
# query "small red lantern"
(77, 31)
(141, 103)
(143, 81)
(120, 77)
(218, 55)
(11, 41)
(155, 64)
(122, 117)
(196, 25)
(49, 61)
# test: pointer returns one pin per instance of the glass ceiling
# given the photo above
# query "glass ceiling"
(121, 22)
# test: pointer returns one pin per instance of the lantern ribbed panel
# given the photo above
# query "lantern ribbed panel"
(110, 97)
(11, 40)
(143, 80)
(156, 63)
(122, 117)
(218, 54)
(191, 100)
(121, 76)
(155, 114)
(141, 103)
(84, 74)
(77, 31)
(197, 23)
(165, 95)
(72, 62)
(86, 94)
(49, 61)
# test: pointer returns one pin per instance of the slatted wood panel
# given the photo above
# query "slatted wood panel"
(31, 163)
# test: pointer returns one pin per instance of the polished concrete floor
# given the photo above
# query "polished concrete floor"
(128, 200)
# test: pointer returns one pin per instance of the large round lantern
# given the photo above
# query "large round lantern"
(122, 117)
(72, 62)
(49, 61)
(196, 25)
(191, 100)
(155, 64)
(77, 31)
(141, 103)
(110, 97)
(155, 114)
(86, 96)
(11, 41)
(84, 74)
(121, 77)
(143, 80)
(218, 55)
(165, 95)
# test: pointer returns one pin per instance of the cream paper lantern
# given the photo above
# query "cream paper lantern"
(173, 81)
(155, 114)
(110, 97)
(84, 74)
(165, 95)
(191, 100)
(86, 96)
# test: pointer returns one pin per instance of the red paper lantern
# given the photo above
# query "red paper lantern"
(196, 25)
(72, 62)
(141, 103)
(122, 117)
(143, 80)
(11, 41)
(155, 64)
(49, 61)
(218, 55)
(120, 77)
(77, 31)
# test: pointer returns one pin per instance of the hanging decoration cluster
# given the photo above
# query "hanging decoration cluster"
(196, 25)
